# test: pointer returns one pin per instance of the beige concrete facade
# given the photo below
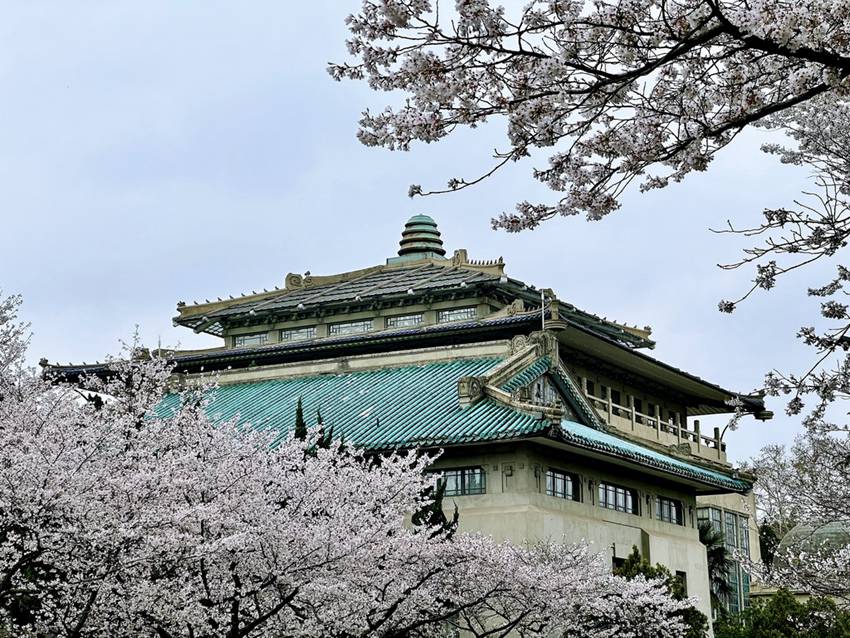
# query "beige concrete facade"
(516, 507)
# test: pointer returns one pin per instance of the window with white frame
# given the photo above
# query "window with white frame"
(669, 510)
(710, 515)
(730, 530)
(563, 485)
(464, 481)
(744, 535)
(616, 497)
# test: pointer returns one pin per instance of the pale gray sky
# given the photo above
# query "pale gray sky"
(157, 151)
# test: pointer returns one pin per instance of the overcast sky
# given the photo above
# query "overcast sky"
(152, 152)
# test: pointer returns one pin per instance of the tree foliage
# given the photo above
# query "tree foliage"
(718, 561)
(777, 500)
(134, 514)
(300, 431)
(619, 90)
(782, 616)
(804, 511)
(768, 543)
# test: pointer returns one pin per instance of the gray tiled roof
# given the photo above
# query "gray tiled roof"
(398, 281)
(396, 284)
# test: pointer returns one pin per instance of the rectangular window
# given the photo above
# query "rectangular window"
(298, 334)
(710, 515)
(614, 497)
(455, 314)
(562, 485)
(256, 339)
(744, 535)
(745, 589)
(591, 387)
(351, 327)
(650, 412)
(464, 481)
(730, 530)
(683, 578)
(639, 409)
(404, 321)
(734, 594)
(669, 510)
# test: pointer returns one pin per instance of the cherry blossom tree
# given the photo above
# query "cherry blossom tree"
(776, 497)
(619, 90)
(808, 485)
(125, 511)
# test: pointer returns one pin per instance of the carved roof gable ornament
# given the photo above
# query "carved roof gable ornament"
(518, 380)
(469, 390)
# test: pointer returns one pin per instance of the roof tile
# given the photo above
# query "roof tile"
(402, 407)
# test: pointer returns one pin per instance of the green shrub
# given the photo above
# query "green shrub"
(783, 616)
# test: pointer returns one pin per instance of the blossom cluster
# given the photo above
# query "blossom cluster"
(619, 89)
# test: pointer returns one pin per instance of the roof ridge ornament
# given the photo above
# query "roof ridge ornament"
(295, 281)
(461, 259)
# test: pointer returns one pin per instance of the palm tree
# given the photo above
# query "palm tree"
(719, 563)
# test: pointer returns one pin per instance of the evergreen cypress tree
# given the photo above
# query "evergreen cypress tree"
(432, 514)
(325, 438)
(300, 423)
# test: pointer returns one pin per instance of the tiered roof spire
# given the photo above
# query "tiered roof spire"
(420, 239)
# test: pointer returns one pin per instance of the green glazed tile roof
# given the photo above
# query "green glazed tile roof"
(605, 442)
(576, 399)
(379, 409)
(527, 375)
(409, 406)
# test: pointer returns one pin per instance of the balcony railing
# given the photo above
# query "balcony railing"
(672, 426)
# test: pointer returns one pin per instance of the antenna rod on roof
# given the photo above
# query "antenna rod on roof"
(542, 310)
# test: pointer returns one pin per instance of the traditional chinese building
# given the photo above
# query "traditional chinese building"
(553, 421)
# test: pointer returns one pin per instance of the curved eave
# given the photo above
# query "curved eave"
(579, 318)
(545, 435)
(326, 347)
(705, 397)
(211, 318)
